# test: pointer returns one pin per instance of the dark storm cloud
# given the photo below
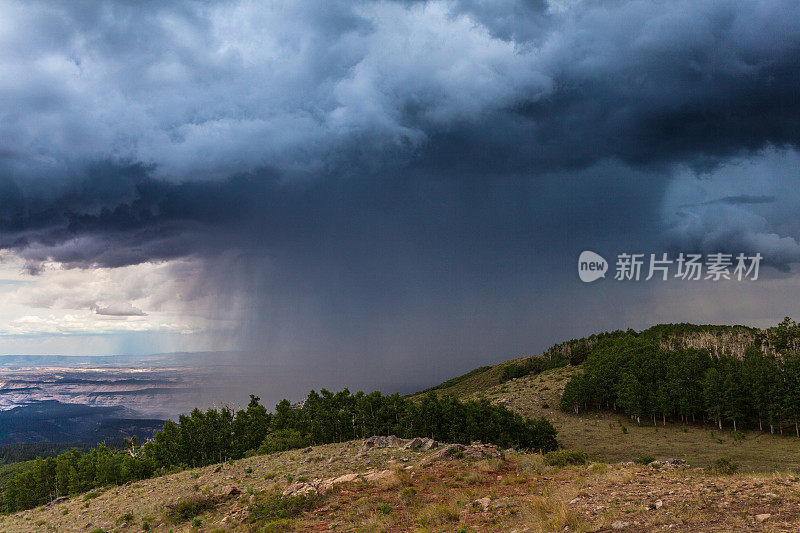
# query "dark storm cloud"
(397, 177)
(325, 92)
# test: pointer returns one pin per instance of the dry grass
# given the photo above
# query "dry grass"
(548, 512)
(438, 514)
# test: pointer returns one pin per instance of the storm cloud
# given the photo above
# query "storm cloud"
(412, 176)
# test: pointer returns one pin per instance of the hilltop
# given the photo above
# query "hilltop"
(613, 436)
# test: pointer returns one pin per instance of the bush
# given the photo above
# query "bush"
(274, 506)
(408, 495)
(282, 440)
(533, 365)
(725, 466)
(566, 457)
(189, 508)
(644, 460)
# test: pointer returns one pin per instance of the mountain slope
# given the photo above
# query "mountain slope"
(393, 489)
(609, 437)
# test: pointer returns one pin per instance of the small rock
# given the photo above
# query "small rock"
(299, 489)
(307, 450)
(762, 517)
(347, 478)
(659, 504)
(482, 503)
(378, 476)
(230, 490)
(619, 524)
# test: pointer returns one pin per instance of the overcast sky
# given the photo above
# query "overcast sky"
(388, 192)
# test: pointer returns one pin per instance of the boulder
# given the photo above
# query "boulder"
(447, 451)
(379, 441)
(483, 451)
(673, 464)
(422, 444)
(302, 489)
(347, 478)
(379, 476)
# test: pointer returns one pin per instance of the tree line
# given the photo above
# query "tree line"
(206, 437)
(634, 373)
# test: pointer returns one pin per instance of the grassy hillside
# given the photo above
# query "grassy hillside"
(392, 489)
(614, 438)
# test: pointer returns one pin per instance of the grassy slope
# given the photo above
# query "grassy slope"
(525, 494)
(601, 435)
(477, 380)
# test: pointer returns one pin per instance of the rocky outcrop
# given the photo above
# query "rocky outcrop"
(422, 444)
(379, 441)
(321, 486)
(473, 451)
(669, 464)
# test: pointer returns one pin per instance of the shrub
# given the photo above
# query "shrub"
(408, 495)
(723, 465)
(189, 508)
(282, 440)
(270, 507)
(533, 365)
(566, 457)
(644, 459)
(437, 514)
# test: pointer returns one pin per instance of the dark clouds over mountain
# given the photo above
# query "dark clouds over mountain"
(355, 163)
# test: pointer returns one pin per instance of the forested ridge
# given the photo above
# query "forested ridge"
(203, 438)
(663, 374)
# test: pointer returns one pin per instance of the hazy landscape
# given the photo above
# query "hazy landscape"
(611, 471)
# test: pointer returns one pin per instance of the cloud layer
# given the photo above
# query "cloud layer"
(395, 177)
